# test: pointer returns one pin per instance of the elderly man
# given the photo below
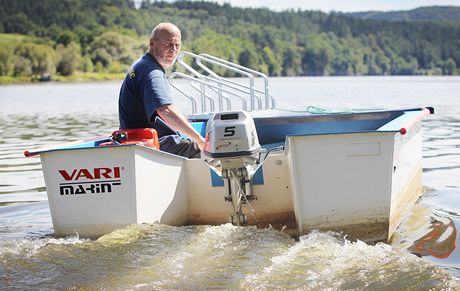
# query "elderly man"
(145, 98)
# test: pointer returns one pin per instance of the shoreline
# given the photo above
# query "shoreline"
(79, 77)
(95, 77)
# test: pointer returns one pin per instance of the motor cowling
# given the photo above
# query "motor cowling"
(231, 140)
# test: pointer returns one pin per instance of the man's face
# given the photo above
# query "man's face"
(166, 47)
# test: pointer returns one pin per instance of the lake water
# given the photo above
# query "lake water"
(421, 255)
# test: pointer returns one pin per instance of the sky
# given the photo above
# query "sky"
(340, 5)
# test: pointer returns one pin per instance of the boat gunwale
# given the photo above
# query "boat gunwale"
(392, 117)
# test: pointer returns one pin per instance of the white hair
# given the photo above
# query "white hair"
(163, 26)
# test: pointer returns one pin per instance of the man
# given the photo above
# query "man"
(145, 97)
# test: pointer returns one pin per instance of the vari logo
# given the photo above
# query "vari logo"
(89, 181)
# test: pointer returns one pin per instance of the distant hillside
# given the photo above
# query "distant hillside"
(66, 38)
(433, 13)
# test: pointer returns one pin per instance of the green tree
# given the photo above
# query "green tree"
(22, 67)
(220, 45)
(248, 58)
(40, 58)
(86, 64)
(109, 14)
(18, 23)
(112, 46)
(66, 37)
(69, 58)
(449, 67)
(291, 62)
(317, 55)
(7, 59)
(274, 66)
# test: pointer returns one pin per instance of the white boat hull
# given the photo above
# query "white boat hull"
(362, 183)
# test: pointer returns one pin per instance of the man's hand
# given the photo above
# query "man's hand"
(201, 142)
(174, 118)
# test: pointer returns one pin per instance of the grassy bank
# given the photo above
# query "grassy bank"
(77, 77)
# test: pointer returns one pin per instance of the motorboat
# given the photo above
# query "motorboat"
(355, 172)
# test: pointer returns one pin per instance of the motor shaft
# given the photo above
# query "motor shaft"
(237, 179)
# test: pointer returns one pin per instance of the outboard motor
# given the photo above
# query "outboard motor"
(233, 147)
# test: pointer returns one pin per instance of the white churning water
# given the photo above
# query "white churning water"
(422, 255)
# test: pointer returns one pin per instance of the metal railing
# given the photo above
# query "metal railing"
(209, 87)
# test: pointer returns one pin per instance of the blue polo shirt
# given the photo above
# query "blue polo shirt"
(144, 89)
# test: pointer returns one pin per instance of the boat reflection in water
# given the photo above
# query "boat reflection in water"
(439, 242)
(425, 233)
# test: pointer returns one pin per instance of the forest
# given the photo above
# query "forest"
(99, 38)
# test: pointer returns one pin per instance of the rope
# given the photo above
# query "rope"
(319, 110)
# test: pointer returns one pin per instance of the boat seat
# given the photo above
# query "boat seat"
(147, 137)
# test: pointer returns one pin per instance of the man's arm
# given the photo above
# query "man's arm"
(174, 118)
